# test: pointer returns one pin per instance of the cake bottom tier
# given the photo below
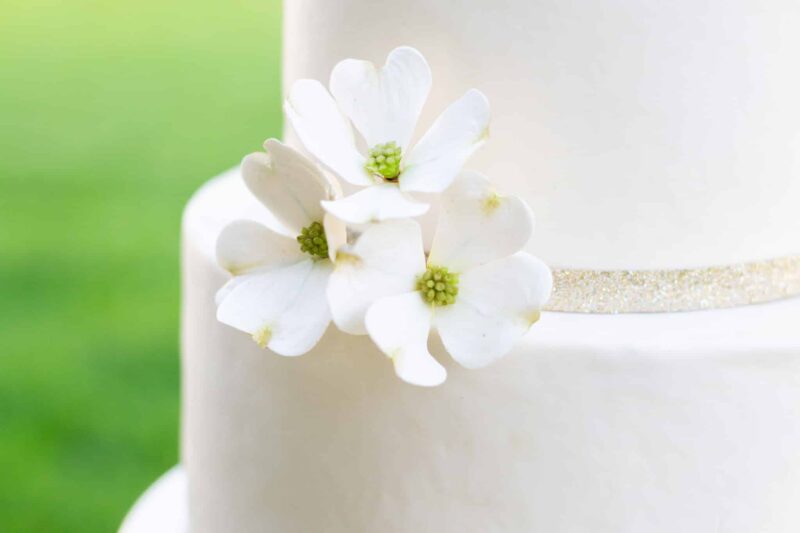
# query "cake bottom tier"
(162, 508)
(657, 423)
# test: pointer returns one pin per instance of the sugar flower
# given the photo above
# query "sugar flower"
(277, 293)
(384, 105)
(475, 287)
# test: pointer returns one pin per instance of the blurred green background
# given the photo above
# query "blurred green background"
(111, 114)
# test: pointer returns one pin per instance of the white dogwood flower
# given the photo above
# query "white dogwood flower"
(277, 293)
(384, 104)
(475, 287)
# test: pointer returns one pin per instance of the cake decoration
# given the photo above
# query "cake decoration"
(479, 291)
(384, 105)
(277, 293)
(475, 287)
(690, 289)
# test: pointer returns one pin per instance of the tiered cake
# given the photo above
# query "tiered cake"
(651, 139)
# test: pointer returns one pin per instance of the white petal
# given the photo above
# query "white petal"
(374, 204)
(385, 103)
(477, 225)
(497, 303)
(324, 131)
(385, 260)
(245, 245)
(399, 326)
(434, 162)
(226, 289)
(288, 184)
(284, 309)
(335, 233)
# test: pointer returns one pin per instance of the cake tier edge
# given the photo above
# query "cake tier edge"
(606, 423)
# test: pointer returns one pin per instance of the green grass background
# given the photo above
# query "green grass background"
(111, 114)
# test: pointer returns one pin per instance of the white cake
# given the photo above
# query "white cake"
(647, 136)
(644, 134)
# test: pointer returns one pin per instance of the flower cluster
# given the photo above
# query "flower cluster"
(359, 260)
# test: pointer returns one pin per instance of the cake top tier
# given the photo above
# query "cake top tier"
(646, 135)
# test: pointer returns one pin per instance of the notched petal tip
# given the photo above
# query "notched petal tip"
(383, 102)
(477, 224)
(347, 259)
(262, 336)
(491, 202)
(283, 309)
(256, 161)
(498, 304)
(399, 326)
(532, 317)
(244, 245)
(406, 49)
(288, 184)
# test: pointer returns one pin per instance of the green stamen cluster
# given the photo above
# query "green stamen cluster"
(313, 242)
(384, 160)
(438, 286)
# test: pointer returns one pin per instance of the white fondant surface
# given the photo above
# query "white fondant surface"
(653, 423)
(163, 508)
(645, 134)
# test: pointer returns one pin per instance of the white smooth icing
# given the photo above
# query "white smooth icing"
(660, 423)
(163, 508)
(645, 134)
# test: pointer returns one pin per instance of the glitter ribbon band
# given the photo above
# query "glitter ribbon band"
(653, 291)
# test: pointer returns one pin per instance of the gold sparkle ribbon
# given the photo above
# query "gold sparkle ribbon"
(655, 291)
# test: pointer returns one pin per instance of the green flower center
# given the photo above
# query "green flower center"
(438, 286)
(313, 242)
(384, 160)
